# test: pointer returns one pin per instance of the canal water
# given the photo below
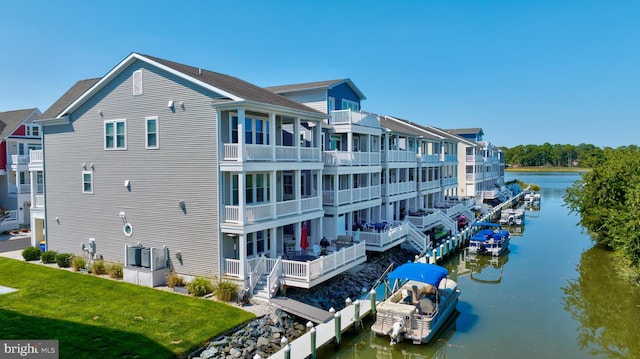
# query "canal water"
(554, 295)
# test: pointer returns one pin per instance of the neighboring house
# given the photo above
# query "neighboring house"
(19, 135)
(483, 166)
(208, 173)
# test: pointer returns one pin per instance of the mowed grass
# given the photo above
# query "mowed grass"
(93, 317)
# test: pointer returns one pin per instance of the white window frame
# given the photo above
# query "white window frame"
(85, 191)
(138, 86)
(115, 135)
(147, 133)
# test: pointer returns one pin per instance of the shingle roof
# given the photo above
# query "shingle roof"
(305, 86)
(406, 127)
(234, 85)
(10, 120)
(464, 131)
(314, 86)
(71, 95)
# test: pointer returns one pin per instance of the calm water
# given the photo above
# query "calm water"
(553, 296)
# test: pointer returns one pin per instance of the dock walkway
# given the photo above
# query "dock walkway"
(302, 310)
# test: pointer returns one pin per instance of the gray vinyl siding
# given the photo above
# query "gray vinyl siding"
(184, 168)
(316, 99)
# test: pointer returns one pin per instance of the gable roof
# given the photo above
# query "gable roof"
(10, 120)
(465, 131)
(228, 87)
(71, 95)
(406, 127)
(318, 85)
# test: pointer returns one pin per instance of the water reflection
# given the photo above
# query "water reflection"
(607, 309)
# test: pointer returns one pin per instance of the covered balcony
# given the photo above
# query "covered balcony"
(269, 195)
(251, 136)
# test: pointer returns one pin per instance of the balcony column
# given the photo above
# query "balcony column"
(336, 189)
(241, 200)
(271, 125)
(32, 195)
(296, 137)
(273, 193)
(273, 242)
(242, 255)
(241, 137)
(319, 190)
(297, 188)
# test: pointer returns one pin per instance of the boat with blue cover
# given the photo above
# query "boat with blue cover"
(490, 239)
(422, 301)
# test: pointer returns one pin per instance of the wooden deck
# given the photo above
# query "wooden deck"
(302, 310)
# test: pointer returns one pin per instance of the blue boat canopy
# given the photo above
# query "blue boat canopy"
(421, 272)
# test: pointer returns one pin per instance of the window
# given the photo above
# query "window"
(87, 182)
(137, 83)
(250, 244)
(249, 189)
(234, 190)
(332, 104)
(234, 129)
(248, 134)
(40, 182)
(350, 105)
(259, 132)
(152, 132)
(115, 135)
(32, 130)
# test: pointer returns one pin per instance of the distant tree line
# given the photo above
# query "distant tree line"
(607, 199)
(548, 155)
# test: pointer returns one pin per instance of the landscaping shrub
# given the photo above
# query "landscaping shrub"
(98, 267)
(48, 257)
(31, 253)
(64, 260)
(174, 280)
(115, 270)
(78, 263)
(226, 291)
(200, 286)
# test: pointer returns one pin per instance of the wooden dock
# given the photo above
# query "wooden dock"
(302, 310)
(325, 332)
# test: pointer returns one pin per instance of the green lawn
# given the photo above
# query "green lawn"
(93, 317)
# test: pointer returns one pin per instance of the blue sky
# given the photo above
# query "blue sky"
(526, 72)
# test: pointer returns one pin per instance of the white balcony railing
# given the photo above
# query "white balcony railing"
(399, 156)
(38, 201)
(298, 270)
(232, 152)
(344, 158)
(349, 117)
(35, 156)
(258, 212)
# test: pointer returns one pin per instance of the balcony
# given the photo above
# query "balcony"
(301, 274)
(35, 156)
(399, 156)
(392, 189)
(258, 212)
(382, 236)
(232, 152)
(422, 158)
(349, 117)
(344, 158)
(351, 195)
(18, 160)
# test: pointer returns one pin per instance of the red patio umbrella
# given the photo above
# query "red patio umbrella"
(304, 242)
